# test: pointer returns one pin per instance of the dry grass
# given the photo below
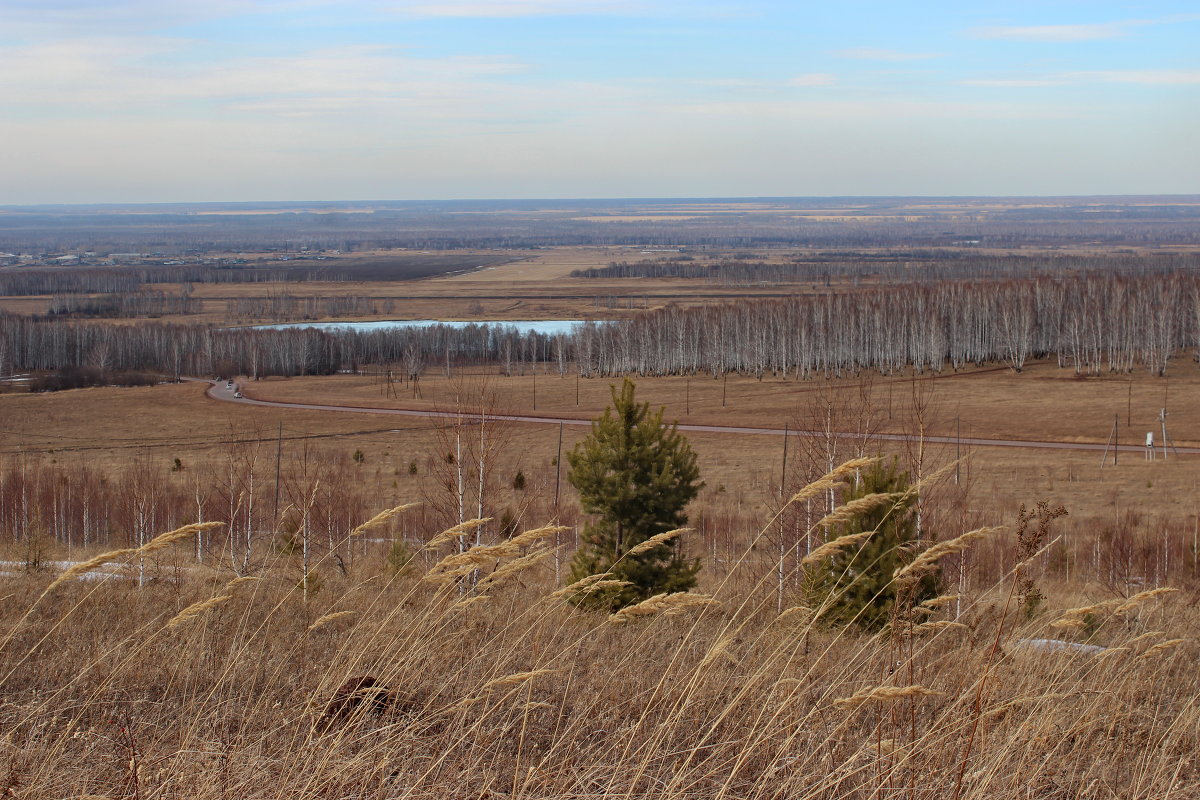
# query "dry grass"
(516, 694)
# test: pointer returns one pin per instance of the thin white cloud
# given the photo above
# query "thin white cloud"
(1084, 32)
(120, 75)
(1014, 83)
(1144, 77)
(517, 8)
(879, 110)
(1137, 77)
(882, 54)
(813, 79)
(1057, 33)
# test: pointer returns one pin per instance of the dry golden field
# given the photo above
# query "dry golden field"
(115, 427)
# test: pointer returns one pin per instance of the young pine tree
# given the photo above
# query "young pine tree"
(855, 584)
(637, 475)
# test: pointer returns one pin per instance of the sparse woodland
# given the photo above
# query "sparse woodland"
(1090, 323)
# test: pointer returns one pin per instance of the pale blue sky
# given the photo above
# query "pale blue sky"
(154, 100)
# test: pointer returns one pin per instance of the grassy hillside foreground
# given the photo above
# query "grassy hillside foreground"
(204, 684)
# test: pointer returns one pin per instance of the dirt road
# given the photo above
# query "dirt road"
(218, 390)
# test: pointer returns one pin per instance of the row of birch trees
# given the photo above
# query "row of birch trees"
(1090, 323)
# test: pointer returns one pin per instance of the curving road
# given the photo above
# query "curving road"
(219, 391)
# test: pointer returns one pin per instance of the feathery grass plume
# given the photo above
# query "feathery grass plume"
(592, 583)
(719, 650)
(461, 529)
(1144, 636)
(1118, 606)
(941, 601)
(84, 567)
(928, 558)
(835, 546)
(856, 508)
(596, 586)
(197, 609)
(328, 618)
(832, 479)
(529, 537)
(935, 627)
(654, 541)
(1069, 622)
(157, 543)
(817, 487)
(850, 467)
(795, 612)
(1161, 647)
(1142, 597)
(935, 476)
(470, 600)
(456, 565)
(517, 677)
(883, 694)
(171, 537)
(1082, 611)
(382, 517)
(666, 604)
(506, 571)
(581, 585)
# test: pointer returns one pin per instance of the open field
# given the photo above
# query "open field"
(114, 428)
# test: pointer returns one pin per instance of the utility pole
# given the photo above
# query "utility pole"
(278, 461)
(957, 448)
(780, 574)
(558, 469)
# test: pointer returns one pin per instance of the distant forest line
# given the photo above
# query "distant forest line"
(712, 222)
(1093, 323)
(891, 266)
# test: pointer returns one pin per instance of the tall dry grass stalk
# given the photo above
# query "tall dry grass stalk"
(667, 604)
(198, 609)
(457, 532)
(835, 546)
(859, 506)
(382, 518)
(159, 542)
(1075, 617)
(654, 541)
(927, 560)
(327, 619)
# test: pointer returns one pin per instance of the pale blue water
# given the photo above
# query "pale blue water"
(544, 326)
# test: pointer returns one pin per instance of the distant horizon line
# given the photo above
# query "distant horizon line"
(630, 199)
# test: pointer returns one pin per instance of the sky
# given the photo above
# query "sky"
(287, 100)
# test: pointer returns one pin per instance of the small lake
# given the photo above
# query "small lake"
(548, 327)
